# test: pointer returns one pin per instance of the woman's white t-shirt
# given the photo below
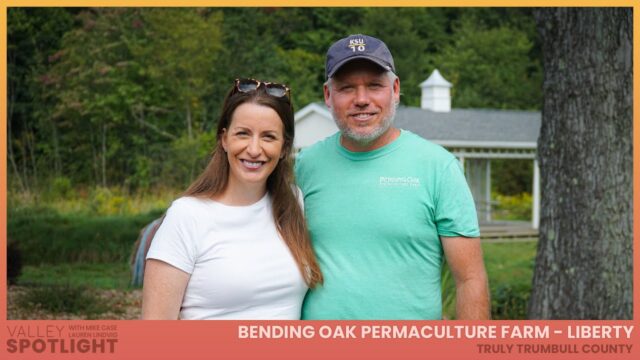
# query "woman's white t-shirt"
(240, 267)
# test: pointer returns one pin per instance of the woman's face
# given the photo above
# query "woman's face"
(253, 142)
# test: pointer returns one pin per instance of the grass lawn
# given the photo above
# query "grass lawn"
(97, 276)
(74, 291)
(509, 263)
(510, 269)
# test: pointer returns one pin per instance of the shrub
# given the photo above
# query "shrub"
(509, 301)
(187, 158)
(141, 177)
(63, 299)
(58, 188)
(103, 201)
(515, 207)
(14, 261)
(511, 176)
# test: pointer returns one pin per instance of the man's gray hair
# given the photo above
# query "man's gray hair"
(392, 77)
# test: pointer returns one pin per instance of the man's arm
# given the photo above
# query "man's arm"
(464, 256)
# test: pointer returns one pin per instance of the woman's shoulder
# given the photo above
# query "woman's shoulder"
(189, 204)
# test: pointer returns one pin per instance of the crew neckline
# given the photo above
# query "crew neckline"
(368, 155)
(258, 204)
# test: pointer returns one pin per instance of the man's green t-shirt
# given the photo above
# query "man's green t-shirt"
(375, 220)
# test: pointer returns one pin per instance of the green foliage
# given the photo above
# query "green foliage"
(113, 97)
(129, 79)
(45, 236)
(511, 176)
(299, 68)
(491, 67)
(14, 261)
(33, 40)
(64, 299)
(510, 270)
(103, 202)
(509, 267)
(60, 187)
(187, 158)
(142, 177)
(514, 207)
(179, 52)
(79, 202)
(509, 262)
(509, 302)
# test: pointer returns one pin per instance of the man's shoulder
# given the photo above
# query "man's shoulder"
(424, 148)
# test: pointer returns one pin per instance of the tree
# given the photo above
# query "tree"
(88, 81)
(491, 67)
(181, 51)
(127, 83)
(584, 263)
(115, 96)
(33, 38)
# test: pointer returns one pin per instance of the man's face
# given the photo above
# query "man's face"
(362, 99)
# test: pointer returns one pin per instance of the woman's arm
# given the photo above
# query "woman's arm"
(163, 290)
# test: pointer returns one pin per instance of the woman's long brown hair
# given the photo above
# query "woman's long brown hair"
(287, 213)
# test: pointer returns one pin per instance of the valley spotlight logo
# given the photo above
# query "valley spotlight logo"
(61, 339)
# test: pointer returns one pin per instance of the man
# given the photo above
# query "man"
(384, 205)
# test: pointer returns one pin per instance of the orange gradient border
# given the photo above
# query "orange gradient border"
(219, 339)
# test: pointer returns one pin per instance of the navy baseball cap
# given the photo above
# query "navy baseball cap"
(358, 47)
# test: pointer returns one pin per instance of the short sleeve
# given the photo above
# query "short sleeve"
(455, 208)
(174, 242)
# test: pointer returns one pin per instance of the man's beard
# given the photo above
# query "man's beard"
(366, 138)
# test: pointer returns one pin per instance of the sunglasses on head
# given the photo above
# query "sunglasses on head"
(273, 89)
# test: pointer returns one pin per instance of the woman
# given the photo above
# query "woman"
(235, 246)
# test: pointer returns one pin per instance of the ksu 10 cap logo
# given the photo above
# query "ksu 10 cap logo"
(357, 44)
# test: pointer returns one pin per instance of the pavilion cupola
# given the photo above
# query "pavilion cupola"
(436, 93)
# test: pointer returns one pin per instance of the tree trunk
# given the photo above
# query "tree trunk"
(30, 141)
(104, 155)
(24, 161)
(585, 254)
(12, 157)
(139, 114)
(189, 126)
(57, 160)
(95, 158)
